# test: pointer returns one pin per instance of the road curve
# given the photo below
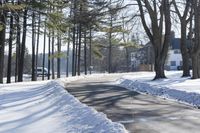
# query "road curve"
(138, 113)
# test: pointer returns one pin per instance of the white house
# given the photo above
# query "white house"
(146, 56)
(174, 58)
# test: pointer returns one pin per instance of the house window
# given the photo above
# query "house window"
(173, 63)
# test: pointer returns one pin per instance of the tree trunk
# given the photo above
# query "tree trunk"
(44, 47)
(38, 41)
(110, 55)
(18, 46)
(23, 46)
(49, 54)
(184, 51)
(159, 59)
(49, 49)
(52, 58)
(74, 38)
(10, 50)
(76, 51)
(127, 60)
(159, 68)
(196, 44)
(67, 65)
(110, 46)
(85, 52)
(195, 67)
(34, 70)
(58, 58)
(73, 51)
(79, 49)
(90, 48)
(2, 43)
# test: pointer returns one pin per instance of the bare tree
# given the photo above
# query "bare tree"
(159, 13)
(184, 20)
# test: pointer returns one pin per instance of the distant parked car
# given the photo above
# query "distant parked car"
(40, 71)
(181, 67)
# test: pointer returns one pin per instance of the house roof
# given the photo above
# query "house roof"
(175, 43)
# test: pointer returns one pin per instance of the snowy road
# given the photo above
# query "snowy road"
(139, 113)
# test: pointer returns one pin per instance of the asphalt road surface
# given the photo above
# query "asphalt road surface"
(137, 112)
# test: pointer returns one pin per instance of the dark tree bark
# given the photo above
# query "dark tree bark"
(85, 51)
(110, 46)
(2, 42)
(196, 43)
(68, 45)
(18, 46)
(73, 51)
(67, 65)
(44, 47)
(184, 51)
(76, 51)
(49, 48)
(10, 50)
(90, 52)
(58, 58)
(34, 71)
(80, 38)
(23, 46)
(38, 41)
(74, 8)
(49, 55)
(52, 54)
(195, 67)
(127, 59)
(79, 49)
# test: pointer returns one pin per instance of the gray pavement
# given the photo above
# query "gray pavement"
(138, 113)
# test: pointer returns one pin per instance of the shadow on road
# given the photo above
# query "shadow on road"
(101, 95)
(138, 112)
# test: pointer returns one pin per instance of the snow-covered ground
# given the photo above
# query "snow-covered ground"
(174, 87)
(27, 77)
(45, 107)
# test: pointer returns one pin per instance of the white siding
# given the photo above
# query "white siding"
(174, 55)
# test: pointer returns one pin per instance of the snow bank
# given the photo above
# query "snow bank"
(47, 108)
(180, 89)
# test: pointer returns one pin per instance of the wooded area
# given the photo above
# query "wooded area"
(80, 24)
(72, 23)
